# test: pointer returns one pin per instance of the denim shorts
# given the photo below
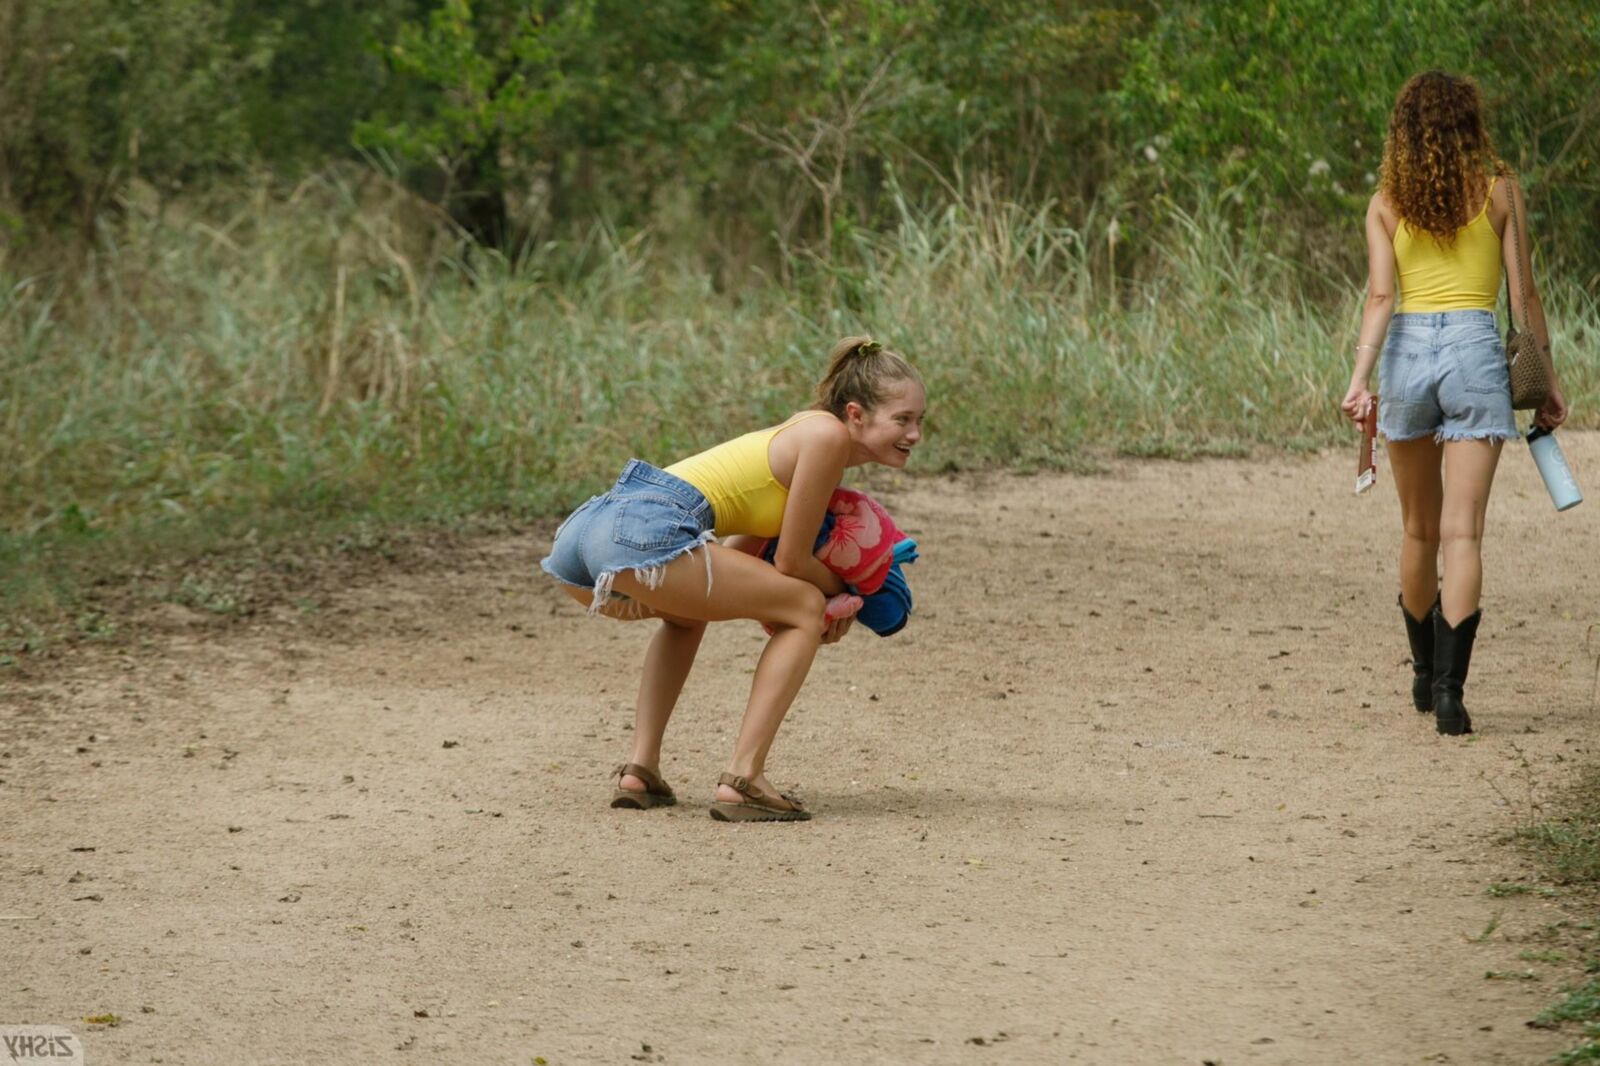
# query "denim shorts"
(1444, 375)
(647, 520)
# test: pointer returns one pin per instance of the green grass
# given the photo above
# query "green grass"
(1502, 889)
(1569, 847)
(303, 365)
(1581, 1006)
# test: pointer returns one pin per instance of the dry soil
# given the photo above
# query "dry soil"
(1140, 783)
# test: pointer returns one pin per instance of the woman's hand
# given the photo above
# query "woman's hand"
(1553, 411)
(1355, 402)
(836, 629)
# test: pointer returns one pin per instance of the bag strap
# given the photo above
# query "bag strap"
(1516, 256)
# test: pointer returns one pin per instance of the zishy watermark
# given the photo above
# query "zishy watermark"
(37, 1045)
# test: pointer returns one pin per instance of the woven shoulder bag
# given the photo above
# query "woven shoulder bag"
(1530, 376)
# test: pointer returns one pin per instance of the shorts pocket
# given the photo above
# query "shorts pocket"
(648, 522)
(1484, 370)
(1398, 373)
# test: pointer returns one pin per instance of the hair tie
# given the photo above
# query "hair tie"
(868, 348)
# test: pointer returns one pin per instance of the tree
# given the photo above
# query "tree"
(95, 92)
(484, 80)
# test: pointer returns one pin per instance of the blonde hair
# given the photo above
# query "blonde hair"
(860, 370)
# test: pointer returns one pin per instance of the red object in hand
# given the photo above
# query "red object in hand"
(1367, 454)
(860, 548)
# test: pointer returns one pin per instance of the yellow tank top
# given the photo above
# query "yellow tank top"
(1464, 276)
(736, 477)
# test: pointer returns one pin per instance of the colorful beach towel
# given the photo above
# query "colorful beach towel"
(859, 540)
(860, 546)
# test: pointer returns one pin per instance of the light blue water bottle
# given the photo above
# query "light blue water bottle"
(1553, 468)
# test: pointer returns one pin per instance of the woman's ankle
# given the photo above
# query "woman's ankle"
(649, 759)
(633, 782)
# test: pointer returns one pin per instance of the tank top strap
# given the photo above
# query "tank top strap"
(771, 435)
(795, 420)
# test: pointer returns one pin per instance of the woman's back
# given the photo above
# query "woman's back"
(1459, 275)
(738, 478)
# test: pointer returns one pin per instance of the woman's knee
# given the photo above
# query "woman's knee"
(687, 625)
(801, 605)
(1424, 530)
(1459, 535)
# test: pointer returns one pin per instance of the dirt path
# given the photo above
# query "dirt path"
(1139, 784)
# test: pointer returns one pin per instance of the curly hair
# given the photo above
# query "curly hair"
(1437, 140)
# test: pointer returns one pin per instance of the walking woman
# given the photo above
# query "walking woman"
(1437, 230)
(647, 549)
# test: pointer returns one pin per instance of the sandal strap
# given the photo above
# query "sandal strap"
(741, 784)
(652, 780)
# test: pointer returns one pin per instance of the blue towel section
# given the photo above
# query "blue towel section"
(886, 611)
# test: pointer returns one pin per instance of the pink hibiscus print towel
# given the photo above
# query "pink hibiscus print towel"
(860, 547)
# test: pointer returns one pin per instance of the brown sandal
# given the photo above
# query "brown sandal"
(657, 793)
(758, 806)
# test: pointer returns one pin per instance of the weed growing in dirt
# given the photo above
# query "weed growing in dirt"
(1542, 956)
(1569, 845)
(1500, 890)
(1581, 1005)
(1488, 930)
(204, 595)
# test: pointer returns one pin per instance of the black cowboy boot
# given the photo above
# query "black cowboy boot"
(1420, 633)
(1452, 652)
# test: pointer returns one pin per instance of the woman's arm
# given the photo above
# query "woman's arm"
(823, 448)
(1376, 314)
(1517, 252)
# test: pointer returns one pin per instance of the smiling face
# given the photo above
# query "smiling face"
(887, 433)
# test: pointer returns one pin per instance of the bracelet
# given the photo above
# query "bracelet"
(1368, 347)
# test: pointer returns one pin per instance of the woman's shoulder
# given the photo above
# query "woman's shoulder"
(1503, 192)
(823, 440)
(816, 425)
(812, 431)
(1380, 207)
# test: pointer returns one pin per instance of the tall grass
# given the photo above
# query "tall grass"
(338, 354)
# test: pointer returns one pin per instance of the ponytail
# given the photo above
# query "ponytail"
(860, 370)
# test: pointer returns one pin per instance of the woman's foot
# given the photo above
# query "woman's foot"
(641, 788)
(844, 605)
(741, 799)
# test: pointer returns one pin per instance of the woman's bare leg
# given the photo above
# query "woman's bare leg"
(740, 587)
(667, 662)
(1469, 467)
(1417, 480)
(779, 674)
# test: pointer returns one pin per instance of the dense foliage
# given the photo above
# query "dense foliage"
(767, 124)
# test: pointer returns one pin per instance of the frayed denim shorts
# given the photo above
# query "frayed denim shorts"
(647, 520)
(1444, 375)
